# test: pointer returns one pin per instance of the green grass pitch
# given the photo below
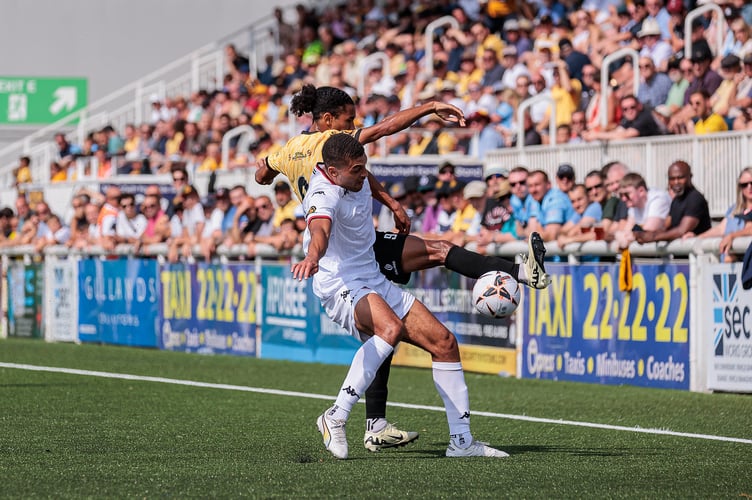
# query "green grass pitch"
(72, 436)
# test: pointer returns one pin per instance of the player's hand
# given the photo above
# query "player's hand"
(450, 113)
(304, 269)
(401, 221)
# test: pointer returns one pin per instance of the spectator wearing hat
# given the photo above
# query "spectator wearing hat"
(565, 177)
(468, 204)
(652, 45)
(447, 174)
(658, 13)
(513, 37)
(285, 203)
(485, 136)
(677, 12)
(497, 222)
(705, 120)
(551, 210)
(654, 85)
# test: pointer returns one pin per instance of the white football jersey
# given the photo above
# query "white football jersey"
(349, 255)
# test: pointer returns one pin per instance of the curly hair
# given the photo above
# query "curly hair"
(318, 101)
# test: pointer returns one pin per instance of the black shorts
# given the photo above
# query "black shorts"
(388, 249)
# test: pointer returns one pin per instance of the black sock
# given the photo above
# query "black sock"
(377, 393)
(475, 265)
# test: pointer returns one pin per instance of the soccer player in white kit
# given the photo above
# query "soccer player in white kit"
(338, 243)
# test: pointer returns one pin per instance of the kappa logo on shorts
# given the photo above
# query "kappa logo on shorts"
(346, 294)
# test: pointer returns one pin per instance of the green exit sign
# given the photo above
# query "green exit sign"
(32, 101)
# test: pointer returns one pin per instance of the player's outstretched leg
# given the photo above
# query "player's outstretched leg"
(380, 433)
(420, 254)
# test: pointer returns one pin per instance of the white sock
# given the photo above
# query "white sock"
(362, 371)
(450, 382)
(375, 424)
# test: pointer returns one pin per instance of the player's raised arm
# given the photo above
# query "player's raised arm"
(402, 119)
(320, 229)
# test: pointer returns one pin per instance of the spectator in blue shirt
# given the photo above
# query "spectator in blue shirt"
(486, 137)
(553, 209)
(654, 85)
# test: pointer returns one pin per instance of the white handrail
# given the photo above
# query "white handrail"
(229, 135)
(365, 66)
(527, 103)
(433, 26)
(694, 13)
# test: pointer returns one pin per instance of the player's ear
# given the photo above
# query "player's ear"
(331, 171)
(327, 118)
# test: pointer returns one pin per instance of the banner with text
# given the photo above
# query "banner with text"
(208, 308)
(486, 345)
(118, 301)
(61, 299)
(25, 289)
(583, 328)
(294, 326)
(726, 328)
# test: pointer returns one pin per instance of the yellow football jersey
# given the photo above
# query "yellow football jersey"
(297, 159)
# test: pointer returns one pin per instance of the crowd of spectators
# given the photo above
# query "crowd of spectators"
(502, 53)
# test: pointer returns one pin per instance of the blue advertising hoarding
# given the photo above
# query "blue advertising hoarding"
(208, 308)
(583, 328)
(118, 301)
(293, 324)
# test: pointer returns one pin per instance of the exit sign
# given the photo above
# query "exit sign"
(32, 101)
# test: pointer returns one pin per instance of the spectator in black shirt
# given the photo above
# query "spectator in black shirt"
(636, 121)
(689, 211)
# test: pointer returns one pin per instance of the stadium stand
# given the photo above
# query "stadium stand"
(212, 113)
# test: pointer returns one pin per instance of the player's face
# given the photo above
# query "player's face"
(352, 176)
(345, 120)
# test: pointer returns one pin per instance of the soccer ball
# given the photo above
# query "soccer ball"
(496, 294)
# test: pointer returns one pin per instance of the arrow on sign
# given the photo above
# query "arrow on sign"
(65, 98)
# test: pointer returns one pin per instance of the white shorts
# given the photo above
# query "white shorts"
(340, 307)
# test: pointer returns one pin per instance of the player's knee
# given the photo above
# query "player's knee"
(445, 344)
(391, 331)
(439, 249)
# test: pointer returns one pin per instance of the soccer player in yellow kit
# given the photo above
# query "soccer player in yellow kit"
(398, 254)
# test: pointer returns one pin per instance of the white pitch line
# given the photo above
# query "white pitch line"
(261, 390)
